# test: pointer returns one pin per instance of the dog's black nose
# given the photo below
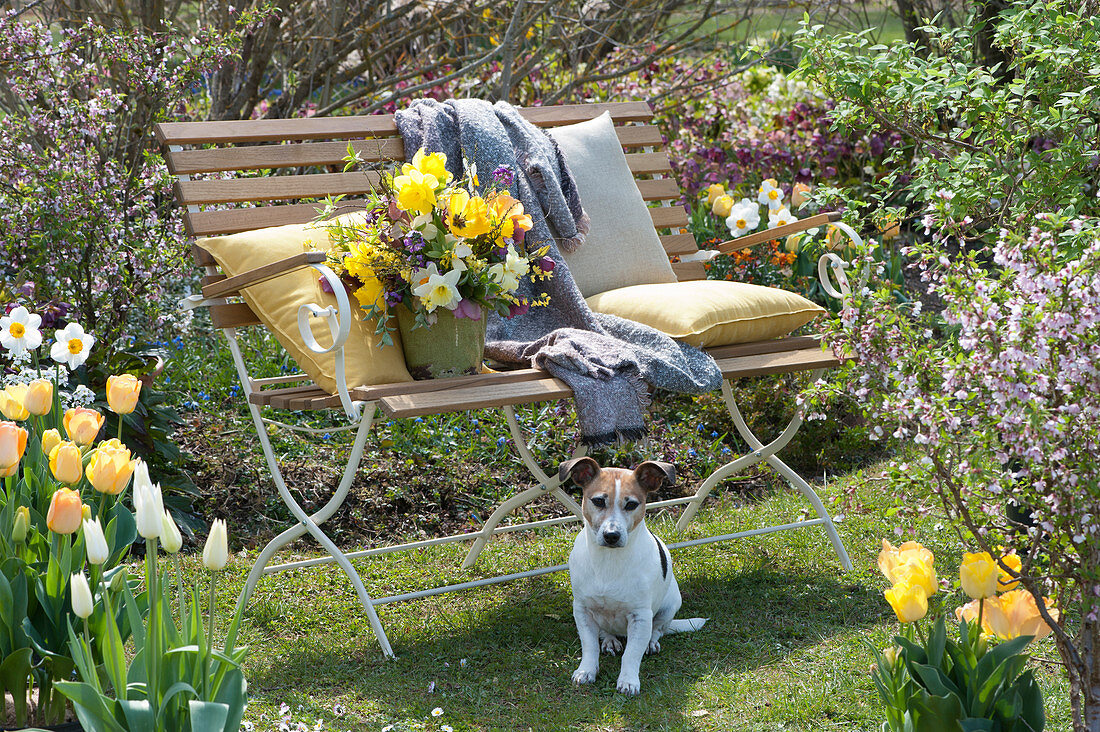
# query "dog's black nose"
(611, 537)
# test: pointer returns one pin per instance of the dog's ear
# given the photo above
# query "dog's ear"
(582, 470)
(651, 474)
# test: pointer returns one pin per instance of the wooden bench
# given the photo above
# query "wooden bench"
(299, 156)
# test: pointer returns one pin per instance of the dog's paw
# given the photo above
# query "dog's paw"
(653, 647)
(611, 644)
(583, 676)
(630, 686)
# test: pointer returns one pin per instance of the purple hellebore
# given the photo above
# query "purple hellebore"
(467, 309)
(546, 264)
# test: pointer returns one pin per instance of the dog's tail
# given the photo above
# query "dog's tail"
(686, 625)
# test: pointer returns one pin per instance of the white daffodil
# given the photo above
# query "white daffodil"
(19, 331)
(781, 217)
(743, 218)
(72, 345)
(771, 195)
(439, 290)
(509, 272)
(423, 224)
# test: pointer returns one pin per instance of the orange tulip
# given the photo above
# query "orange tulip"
(66, 512)
(65, 463)
(110, 468)
(11, 402)
(82, 425)
(799, 194)
(13, 442)
(891, 230)
(1016, 613)
(122, 393)
(39, 397)
(969, 613)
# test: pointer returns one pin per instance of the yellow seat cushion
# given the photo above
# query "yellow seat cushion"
(707, 313)
(276, 303)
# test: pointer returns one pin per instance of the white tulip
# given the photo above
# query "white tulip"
(215, 554)
(170, 535)
(82, 595)
(148, 505)
(95, 544)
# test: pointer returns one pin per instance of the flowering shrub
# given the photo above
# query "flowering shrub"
(426, 242)
(85, 206)
(937, 683)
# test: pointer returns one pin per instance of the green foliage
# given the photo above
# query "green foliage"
(940, 684)
(985, 147)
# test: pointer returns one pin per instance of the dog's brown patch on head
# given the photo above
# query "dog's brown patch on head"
(631, 496)
(652, 474)
(601, 486)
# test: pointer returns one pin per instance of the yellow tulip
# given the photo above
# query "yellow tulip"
(1016, 613)
(11, 402)
(891, 557)
(122, 393)
(110, 467)
(792, 243)
(65, 463)
(13, 442)
(916, 572)
(50, 440)
(891, 230)
(39, 397)
(979, 575)
(714, 190)
(66, 511)
(722, 206)
(82, 425)
(910, 602)
(1007, 581)
(835, 238)
(467, 216)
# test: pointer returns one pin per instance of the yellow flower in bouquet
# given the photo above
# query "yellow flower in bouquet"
(371, 294)
(433, 164)
(467, 216)
(415, 191)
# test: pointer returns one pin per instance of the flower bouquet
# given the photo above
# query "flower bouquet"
(435, 251)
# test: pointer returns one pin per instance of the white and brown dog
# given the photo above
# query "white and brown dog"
(621, 574)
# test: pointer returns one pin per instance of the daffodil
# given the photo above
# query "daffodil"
(439, 291)
(770, 195)
(19, 330)
(415, 191)
(72, 345)
(780, 217)
(433, 164)
(467, 216)
(743, 218)
(371, 294)
(509, 272)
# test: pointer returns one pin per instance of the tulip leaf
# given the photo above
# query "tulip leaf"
(94, 710)
(934, 680)
(937, 639)
(138, 713)
(207, 716)
(935, 713)
(913, 652)
(1031, 698)
(233, 692)
(973, 724)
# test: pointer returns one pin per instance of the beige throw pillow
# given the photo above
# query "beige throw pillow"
(622, 247)
(276, 303)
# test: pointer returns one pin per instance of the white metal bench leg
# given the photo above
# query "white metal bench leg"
(547, 484)
(767, 453)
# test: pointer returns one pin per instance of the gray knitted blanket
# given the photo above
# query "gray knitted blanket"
(608, 362)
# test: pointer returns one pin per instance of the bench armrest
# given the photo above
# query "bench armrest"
(228, 285)
(744, 242)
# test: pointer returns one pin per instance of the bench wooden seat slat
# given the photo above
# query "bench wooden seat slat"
(306, 154)
(371, 125)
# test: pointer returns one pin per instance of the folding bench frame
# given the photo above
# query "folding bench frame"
(361, 405)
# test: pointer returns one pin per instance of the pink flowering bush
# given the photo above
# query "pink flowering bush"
(85, 200)
(1000, 397)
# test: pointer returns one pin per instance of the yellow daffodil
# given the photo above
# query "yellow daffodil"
(415, 191)
(371, 294)
(467, 216)
(433, 164)
(979, 575)
(1007, 581)
(1016, 613)
(910, 602)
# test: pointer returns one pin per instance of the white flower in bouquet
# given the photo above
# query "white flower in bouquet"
(438, 290)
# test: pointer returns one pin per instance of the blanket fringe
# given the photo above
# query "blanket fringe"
(619, 437)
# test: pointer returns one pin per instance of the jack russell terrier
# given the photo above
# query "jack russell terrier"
(621, 574)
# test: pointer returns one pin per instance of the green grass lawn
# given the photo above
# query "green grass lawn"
(785, 648)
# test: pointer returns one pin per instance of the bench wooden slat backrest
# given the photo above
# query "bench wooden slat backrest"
(244, 175)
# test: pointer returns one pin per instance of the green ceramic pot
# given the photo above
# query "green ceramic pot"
(450, 347)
